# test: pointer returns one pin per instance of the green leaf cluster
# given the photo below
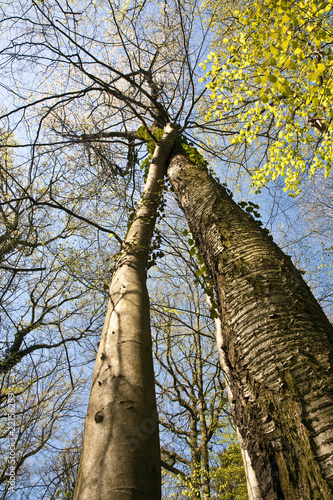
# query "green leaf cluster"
(252, 209)
(229, 478)
(274, 72)
(155, 251)
(151, 140)
(190, 151)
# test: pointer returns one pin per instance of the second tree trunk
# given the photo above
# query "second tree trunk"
(277, 342)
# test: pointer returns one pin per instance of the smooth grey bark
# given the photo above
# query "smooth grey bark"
(120, 458)
(278, 343)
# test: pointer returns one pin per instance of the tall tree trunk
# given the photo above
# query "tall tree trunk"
(278, 343)
(194, 489)
(120, 458)
(205, 476)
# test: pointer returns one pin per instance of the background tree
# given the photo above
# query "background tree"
(191, 400)
(44, 310)
(229, 477)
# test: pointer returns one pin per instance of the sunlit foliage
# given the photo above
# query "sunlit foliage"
(274, 70)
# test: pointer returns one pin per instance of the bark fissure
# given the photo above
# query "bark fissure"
(277, 342)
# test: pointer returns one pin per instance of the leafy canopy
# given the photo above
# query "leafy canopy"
(275, 69)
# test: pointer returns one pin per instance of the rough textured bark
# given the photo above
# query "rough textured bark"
(120, 458)
(277, 342)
